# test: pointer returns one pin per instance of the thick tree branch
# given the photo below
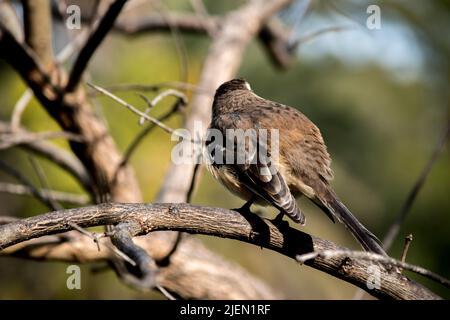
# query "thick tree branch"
(38, 29)
(101, 158)
(73, 112)
(222, 223)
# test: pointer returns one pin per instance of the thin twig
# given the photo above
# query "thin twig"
(165, 292)
(60, 157)
(11, 139)
(204, 17)
(180, 47)
(21, 178)
(182, 100)
(311, 36)
(373, 257)
(301, 9)
(43, 181)
(408, 240)
(395, 227)
(19, 108)
(24, 190)
(135, 110)
(144, 132)
(95, 237)
(91, 235)
(152, 87)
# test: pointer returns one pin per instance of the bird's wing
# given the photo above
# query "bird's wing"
(302, 148)
(256, 169)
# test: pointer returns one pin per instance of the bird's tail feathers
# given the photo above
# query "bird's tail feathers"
(366, 238)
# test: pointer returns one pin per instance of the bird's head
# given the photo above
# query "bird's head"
(232, 85)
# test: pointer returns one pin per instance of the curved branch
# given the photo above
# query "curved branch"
(222, 223)
(121, 237)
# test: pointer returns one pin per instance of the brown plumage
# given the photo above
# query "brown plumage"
(302, 168)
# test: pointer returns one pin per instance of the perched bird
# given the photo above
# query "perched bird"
(302, 167)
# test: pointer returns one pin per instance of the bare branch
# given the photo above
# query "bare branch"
(408, 240)
(187, 23)
(19, 108)
(222, 223)
(27, 64)
(24, 190)
(42, 178)
(21, 178)
(135, 110)
(151, 87)
(10, 21)
(62, 57)
(313, 35)
(144, 277)
(144, 132)
(274, 38)
(38, 29)
(96, 37)
(395, 227)
(203, 15)
(386, 261)
(182, 100)
(8, 140)
(60, 157)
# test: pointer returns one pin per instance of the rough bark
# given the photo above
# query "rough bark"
(221, 223)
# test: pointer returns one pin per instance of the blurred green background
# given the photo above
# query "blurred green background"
(380, 98)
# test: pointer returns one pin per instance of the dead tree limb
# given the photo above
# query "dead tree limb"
(221, 223)
(101, 158)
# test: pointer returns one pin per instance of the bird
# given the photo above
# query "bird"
(302, 167)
